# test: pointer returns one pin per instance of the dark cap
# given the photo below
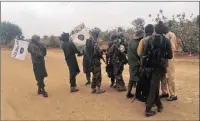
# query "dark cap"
(139, 34)
(64, 37)
(149, 29)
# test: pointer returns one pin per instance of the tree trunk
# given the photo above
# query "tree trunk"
(182, 45)
(190, 53)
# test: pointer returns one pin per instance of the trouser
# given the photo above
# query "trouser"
(72, 79)
(96, 78)
(139, 89)
(157, 75)
(119, 80)
(88, 76)
(143, 86)
(118, 76)
(168, 81)
(40, 83)
(112, 78)
(130, 85)
(109, 70)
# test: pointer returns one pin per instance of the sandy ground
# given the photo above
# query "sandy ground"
(19, 99)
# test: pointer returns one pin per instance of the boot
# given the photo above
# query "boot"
(93, 90)
(44, 93)
(39, 91)
(111, 85)
(164, 95)
(121, 88)
(74, 89)
(99, 91)
(160, 108)
(172, 98)
(112, 82)
(129, 95)
(149, 113)
(141, 99)
(87, 83)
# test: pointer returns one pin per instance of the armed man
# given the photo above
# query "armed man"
(109, 64)
(38, 52)
(118, 56)
(70, 50)
(134, 65)
(95, 55)
(154, 61)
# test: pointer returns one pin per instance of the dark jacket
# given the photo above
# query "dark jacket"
(165, 50)
(70, 50)
(38, 51)
(118, 58)
(86, 62)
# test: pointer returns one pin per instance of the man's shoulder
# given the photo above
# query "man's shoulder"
(170, 34)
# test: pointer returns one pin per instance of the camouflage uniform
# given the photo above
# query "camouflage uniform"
(118, 60)
(96, 69)
(94, 53)
(38, 51)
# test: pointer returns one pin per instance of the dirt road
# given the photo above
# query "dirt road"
(20, 101)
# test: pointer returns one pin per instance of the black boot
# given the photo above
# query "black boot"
(149, 113)
(44, 93)
(142, 99)
(39, 91)
(112, 82)
(74, 89)
(129, 95)
(87, 83)
(160, 108)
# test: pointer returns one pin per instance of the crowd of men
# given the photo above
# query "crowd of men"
(149, 54)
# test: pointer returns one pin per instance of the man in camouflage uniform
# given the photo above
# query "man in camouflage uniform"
(116, 53)
(70, 50)
(94, 53)
(38, 51)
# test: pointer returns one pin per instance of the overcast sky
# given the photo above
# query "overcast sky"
(46, 18)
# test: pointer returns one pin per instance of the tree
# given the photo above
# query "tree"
(45, 41)
(120, 29)
(54, 42)
(129, 33)
(138, 24)
(186, 30)
(9, 32)
(197, 21)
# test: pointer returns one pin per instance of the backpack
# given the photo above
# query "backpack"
(155, 52)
